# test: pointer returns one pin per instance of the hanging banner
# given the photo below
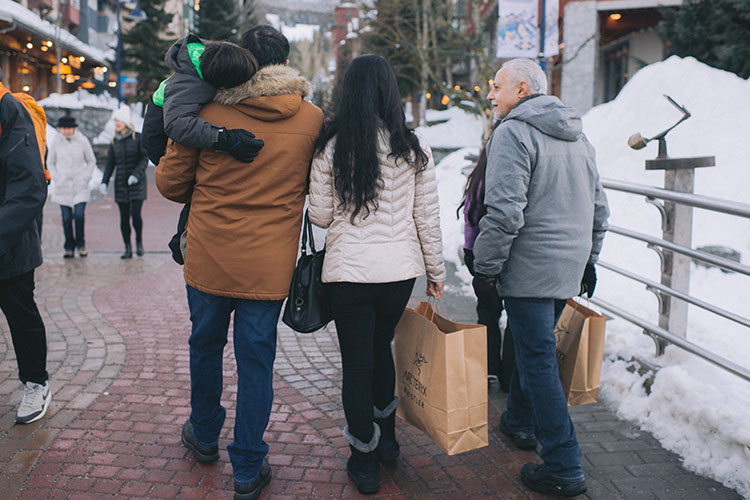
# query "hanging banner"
(517, 28)
(551, 28)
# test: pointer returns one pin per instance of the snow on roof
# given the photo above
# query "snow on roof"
(294, 33)
(79, 100)
(300, 32)
(20, 15)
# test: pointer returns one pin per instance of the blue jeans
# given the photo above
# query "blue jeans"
(68, 214)
(254, 350)
(536, 402)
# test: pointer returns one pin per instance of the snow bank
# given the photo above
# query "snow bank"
(451, 183)
(106, 135)
(695, 409)
(461, 129)
(79, 100)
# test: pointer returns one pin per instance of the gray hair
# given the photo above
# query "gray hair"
(525, 70)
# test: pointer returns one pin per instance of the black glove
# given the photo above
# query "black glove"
(484, 283)
(469, 260)
(239, 143)
(588, 282)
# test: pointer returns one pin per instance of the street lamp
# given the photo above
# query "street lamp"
(136, 15)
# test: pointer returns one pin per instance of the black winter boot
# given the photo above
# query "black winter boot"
(139, 248)
(363, 466)
(128, 254)
(388, 449)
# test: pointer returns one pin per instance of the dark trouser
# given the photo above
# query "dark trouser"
(254, 350)
(128, 211)
(536, 403)
(26, 327)
(489, 309)
(366, 315)
(78, 212)
(39, 219)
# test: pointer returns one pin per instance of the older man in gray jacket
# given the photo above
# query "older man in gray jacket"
(538, 243)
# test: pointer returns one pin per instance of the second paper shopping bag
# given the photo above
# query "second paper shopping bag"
(441, 375)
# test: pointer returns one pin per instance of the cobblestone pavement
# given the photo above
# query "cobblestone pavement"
(118, 359)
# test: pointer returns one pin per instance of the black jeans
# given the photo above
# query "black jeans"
(489, 310)
(128, 211)
(69, 214)
(26, 327)
(366, 315)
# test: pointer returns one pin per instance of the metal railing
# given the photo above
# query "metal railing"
(675, 257)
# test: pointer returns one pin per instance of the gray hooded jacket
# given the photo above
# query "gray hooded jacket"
(546, 209)
(184, 96)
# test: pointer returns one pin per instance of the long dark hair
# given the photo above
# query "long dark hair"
(475, 185)
(370, 101)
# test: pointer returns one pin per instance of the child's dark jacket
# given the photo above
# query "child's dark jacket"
(174, 107)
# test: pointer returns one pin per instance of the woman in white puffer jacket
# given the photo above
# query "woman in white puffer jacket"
(373, 186)
(71, 163)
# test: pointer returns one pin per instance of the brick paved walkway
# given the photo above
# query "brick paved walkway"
(118, 359)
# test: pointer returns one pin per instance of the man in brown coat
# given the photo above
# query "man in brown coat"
(241, 248)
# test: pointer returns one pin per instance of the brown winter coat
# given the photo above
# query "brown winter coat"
(245, 218)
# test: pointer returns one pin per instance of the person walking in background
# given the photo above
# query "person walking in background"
(128, 160)
(23, 191)
(537, 246)
(373, 186)
(71, 163)
(241, 246)
(489, 303)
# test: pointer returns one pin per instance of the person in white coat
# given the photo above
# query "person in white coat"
(372, 184)
(71, 163)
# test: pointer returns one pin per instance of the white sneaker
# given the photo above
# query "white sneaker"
(36, 398)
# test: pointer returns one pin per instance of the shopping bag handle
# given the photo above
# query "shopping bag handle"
(436, 307)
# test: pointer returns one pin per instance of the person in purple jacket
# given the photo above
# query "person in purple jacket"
(489, 304)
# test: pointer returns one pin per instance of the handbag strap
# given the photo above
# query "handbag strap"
(307, 233)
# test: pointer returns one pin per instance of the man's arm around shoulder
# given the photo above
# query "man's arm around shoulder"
(175, 176)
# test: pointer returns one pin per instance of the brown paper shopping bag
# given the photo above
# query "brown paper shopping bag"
(441, 375)
(579, 336)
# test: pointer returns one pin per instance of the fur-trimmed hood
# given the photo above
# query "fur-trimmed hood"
(268, 81)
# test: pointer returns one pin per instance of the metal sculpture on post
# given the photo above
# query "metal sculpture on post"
(677, 226)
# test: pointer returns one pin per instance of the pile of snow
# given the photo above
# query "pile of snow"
(106, 135)
(78, 100)
(695, 409)
(459, 130)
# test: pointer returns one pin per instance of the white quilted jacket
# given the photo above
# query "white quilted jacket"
(399, 241)
(71, 163)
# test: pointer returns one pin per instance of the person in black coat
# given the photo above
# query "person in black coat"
(23, 190)
(127, 158)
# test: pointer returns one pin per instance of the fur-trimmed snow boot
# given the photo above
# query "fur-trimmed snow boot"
(363, 466)
(388, 449)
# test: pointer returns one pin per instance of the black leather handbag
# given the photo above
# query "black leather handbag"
(306, 309)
